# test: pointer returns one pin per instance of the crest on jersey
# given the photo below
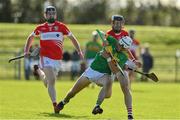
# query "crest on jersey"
(56, 28)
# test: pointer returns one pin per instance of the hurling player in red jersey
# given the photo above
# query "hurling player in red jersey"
(51, 34)
(135, 50)
(117, 31)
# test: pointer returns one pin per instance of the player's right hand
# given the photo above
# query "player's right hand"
(26, 54)
(105, 43)
(138, 63)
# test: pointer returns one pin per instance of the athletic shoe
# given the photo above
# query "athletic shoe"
(97, 110)
(59, 107)
(130, 117)
(54, 106)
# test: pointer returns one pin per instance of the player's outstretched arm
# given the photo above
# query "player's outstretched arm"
(28, 44)
(132, 58)
(76, 45)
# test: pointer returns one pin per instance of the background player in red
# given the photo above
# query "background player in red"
(51, 35)
(117, 31)
(135, 50)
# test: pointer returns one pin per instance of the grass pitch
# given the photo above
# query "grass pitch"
(29, 100)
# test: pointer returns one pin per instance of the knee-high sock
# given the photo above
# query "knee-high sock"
(52, 92)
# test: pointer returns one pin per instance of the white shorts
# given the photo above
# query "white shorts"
(131, 64)
(89, 61)
(48, 62)
(95, 76)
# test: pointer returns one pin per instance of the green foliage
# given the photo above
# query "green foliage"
(30, 100)
(93, 11)
(88, 12)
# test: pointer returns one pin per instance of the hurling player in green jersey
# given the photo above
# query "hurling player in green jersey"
(92, 48)
(99, 72)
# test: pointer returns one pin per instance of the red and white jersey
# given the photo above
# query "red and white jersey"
(118, 36)
(135, 44)
(134, 47)
(51, 39)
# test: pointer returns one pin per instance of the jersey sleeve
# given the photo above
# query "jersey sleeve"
(37, 31)
(111, 40)
(137, 42)
(65, 30)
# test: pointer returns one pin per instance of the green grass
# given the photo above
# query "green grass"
(29, 100)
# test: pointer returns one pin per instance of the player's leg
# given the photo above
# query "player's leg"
(105, 92)
(124, 83)
(51, 78)
(131, 77)
(41, 74)
(81, 83)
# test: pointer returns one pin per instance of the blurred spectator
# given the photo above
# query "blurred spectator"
(66, 56)
(27, 65)
(65, 63)
(82, 67)
(75, 68)
(147, 60)
(35, 60)
(135, 50)
(92, 47)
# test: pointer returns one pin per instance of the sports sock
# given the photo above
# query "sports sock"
(63, 101)
(98, 103)
(52, 92)
(129, 110)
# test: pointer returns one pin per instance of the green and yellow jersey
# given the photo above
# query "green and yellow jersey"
(92, 48)
(100, 63)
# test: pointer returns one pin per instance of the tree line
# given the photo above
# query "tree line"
(91, 11)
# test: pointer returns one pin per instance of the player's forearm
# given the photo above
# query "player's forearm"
(131, 55)
(113, 65)
(28, 44)
(75, 43)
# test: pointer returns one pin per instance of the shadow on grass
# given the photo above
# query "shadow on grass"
(60, 115)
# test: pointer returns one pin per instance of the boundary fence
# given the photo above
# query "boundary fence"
(167, 68)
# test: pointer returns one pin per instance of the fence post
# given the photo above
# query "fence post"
(176, 64)
(18, 67)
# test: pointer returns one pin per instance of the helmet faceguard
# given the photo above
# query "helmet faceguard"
(117, 23)
(126, 42)
(50, 14)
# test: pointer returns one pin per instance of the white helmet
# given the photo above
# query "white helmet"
(94, 33)
(126, 41)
